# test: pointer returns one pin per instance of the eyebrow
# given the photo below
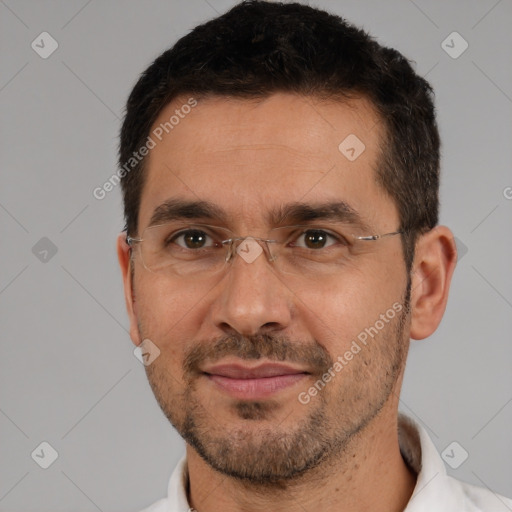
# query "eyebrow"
(288, 214)
(179, 209)
(336, 211)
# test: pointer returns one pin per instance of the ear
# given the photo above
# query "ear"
(434, 262)
(125, 262)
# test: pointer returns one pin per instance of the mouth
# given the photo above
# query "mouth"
(253, 383)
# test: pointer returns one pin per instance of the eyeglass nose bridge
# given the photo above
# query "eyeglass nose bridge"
(234, 243)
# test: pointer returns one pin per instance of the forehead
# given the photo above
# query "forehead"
(251, 156)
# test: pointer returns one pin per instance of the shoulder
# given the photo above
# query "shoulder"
(480, 499)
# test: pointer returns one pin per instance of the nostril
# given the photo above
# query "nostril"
(270, 327)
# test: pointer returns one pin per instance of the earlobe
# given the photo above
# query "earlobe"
(434, 262)
(125, 263)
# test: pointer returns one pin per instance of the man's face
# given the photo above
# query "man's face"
(240, 351)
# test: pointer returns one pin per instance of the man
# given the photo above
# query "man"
(280, 172)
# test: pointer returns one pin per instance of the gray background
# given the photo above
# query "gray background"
(68, 373)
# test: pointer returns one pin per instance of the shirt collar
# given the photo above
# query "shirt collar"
(177, 489)
(434, 489)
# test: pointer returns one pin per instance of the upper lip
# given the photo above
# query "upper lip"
(238, 371)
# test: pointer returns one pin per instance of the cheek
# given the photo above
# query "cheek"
(167, 310)
(336, 312)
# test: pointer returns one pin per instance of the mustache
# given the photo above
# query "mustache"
(312, 356)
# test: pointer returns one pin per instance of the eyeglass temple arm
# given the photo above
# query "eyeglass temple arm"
(130, 240)
(377, 237)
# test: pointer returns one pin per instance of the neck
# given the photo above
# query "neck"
(369, 475)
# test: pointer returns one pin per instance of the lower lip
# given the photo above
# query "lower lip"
(256, 388)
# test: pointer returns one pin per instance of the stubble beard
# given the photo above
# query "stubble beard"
(259, 450)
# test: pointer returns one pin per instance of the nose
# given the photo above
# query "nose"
(252, 297)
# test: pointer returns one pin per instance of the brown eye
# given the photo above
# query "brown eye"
(192, 239)
(315, 239)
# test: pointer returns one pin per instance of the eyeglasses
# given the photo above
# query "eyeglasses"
(196, 250)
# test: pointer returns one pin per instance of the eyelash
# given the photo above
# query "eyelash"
(334, 236)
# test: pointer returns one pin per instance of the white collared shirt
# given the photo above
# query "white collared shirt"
(435, 491)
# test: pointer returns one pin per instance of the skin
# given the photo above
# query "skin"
(247, 157)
